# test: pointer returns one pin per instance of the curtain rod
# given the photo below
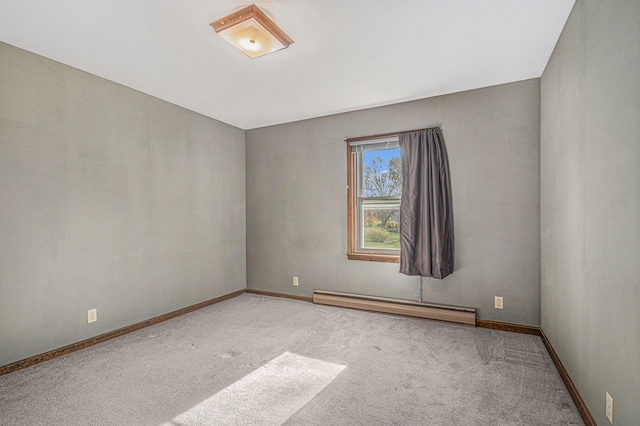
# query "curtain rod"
(386, 135)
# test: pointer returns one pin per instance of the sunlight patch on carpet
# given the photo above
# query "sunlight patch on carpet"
(267, 396)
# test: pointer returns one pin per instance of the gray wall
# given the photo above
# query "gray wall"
(109, 199)
(590, 204)
(297, 211)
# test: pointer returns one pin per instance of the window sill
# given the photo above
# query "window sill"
(372, 257)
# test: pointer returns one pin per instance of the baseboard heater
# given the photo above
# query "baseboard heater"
(449, 313)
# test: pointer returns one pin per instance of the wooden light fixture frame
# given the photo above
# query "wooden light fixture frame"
(259, 16)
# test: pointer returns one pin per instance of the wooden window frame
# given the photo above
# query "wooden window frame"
(352, 253)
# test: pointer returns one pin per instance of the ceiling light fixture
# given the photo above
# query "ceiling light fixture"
(252, 31)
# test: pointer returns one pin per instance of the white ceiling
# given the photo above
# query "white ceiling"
(347, 55)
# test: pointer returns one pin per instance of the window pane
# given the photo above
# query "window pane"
(381, 173)
(375, 186)
(380, 224)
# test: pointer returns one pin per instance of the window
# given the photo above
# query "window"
(374, 189)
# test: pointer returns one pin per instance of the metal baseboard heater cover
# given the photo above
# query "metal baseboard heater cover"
(449, 313)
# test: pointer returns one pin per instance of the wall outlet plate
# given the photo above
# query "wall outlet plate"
(609, 407)
(295, 281)
(92, 315)
(499, 303)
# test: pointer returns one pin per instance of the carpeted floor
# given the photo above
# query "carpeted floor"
(262, 360)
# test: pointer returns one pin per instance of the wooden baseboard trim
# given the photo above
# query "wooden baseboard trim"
(587, 418)
(28, 362)
(283, 295)
(505, 326)
(537, 331)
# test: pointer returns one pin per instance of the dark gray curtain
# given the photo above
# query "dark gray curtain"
(426, 221)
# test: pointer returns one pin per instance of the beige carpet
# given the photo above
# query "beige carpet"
(262, 360)
(268, 395)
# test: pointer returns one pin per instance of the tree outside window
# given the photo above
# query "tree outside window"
(381, 186)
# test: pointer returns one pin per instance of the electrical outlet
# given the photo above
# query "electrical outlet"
(499, 303)
(609, 408)
(295, 281)
(92, 315)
